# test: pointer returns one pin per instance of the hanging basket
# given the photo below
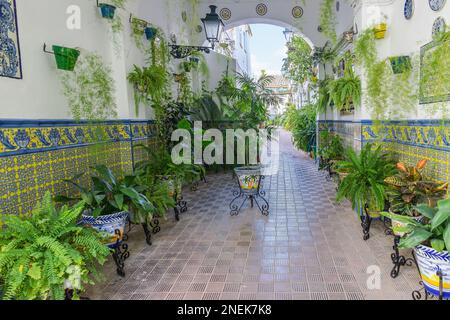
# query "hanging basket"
(150, 33)
(66, 58)
(108, 11)
(400, 64)
(380, 31)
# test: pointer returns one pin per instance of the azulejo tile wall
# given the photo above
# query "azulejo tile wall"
(411, 140)
(415, 140)
(349, 131)
(36, 156)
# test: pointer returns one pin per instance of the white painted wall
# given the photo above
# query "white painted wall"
(404, 37)
(38, 95)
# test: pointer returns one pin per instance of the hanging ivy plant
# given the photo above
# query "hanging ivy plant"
(328, 20)
(387, 95)
(90, 89)
(435, 73)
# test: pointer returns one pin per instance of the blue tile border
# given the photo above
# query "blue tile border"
(22, 136)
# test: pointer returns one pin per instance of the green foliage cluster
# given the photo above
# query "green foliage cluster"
(298, 64)
(345, 92)
(246, 100)
(45, 253)
(331, 146)
(90, 89)
(434, 231)
(435, 72)
(387, 95)
(364, 183)
(109, 194)
(328, 20)
(408, 187)
(302, 124)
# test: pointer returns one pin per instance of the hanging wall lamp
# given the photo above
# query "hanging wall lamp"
(213, 27)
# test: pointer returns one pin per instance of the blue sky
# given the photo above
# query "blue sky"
(268, 48)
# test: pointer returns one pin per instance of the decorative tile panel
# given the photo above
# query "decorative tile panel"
(10, 61)
(36, 156)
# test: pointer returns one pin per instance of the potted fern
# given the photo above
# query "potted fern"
(46, 254)
(364, 183)
(345, 92)
(430, 240)
(149, 84)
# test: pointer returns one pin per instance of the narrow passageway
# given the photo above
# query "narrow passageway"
(308, 248)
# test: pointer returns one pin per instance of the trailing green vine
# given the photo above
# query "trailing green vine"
(328, 20)
(90, 89)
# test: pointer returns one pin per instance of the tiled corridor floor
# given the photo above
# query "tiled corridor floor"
(308, 248)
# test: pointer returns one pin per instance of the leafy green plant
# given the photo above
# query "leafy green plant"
(110, 195)
(434, 232)
(302, 124)
(328, 20)
(408, 188)
(149, 84)
(364, 184)
(43, 252)
(90, 89)
(346, 91)
(435, 70)
(387, 95)
(331, 146)
(298, 64)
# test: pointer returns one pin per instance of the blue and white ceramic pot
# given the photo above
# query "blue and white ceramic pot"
(431, 263)
(108, 224)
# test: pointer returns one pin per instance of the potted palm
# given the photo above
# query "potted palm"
(46, 254)
(364, 183)
(430, 240)
(407, 188)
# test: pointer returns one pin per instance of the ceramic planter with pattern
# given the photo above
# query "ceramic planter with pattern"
(432, 265)
(108, 224)
(249, 179)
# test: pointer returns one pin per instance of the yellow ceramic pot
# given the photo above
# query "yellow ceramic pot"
(380, 30)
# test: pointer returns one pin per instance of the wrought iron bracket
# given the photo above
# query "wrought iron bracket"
(399, 260)
(366, 223)
(120, 254)
(182, 52)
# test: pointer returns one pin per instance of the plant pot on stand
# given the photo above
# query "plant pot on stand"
(113, 226)
(249, 180)
(434, 270)
(175, 188)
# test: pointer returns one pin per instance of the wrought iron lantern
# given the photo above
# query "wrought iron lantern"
(213, 26)
(288, 34)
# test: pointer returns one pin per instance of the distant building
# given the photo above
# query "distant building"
(236, 44)
(281, 87)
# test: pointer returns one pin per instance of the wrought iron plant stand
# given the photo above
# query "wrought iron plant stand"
(120, 253)
(252, 193)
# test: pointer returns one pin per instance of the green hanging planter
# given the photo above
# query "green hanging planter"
(66, 58)
(400, 64)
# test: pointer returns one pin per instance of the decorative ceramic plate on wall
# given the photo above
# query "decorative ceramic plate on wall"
(261, 9)
(297, 12)
(408, 10)
(225, 14)
(436, 5)
(438, 26)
